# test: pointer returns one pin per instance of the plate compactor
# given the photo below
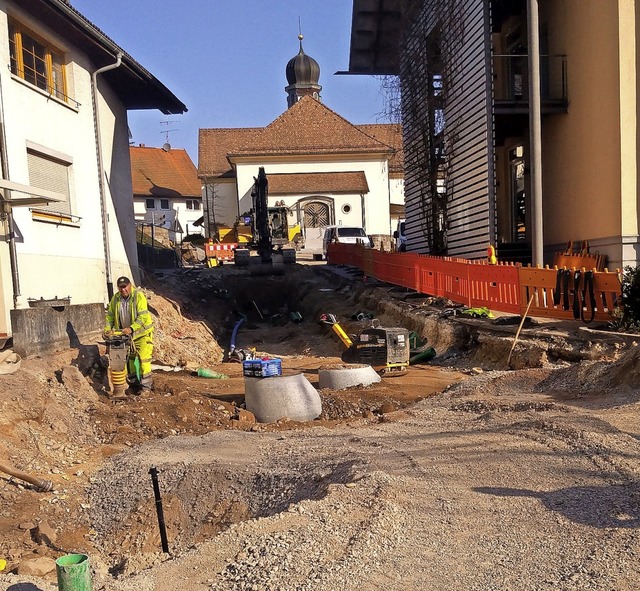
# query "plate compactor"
(385, 349)
(120, 350)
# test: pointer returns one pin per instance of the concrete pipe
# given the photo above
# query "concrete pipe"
(276, 397)
(347, 376)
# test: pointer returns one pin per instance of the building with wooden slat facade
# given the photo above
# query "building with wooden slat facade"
(463, 68)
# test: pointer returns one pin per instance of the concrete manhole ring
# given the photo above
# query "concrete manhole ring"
(340, 377)
(275, 397)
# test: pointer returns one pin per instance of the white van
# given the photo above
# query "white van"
(400, 236)
(344, 235)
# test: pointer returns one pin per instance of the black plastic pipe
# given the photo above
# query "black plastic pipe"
(156, 491)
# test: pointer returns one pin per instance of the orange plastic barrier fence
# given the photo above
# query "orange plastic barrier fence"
(494, 286)
(501, 287)
(541, 285)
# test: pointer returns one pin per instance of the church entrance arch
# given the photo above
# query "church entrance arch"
(318, 214)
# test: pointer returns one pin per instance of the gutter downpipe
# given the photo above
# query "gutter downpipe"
(7, 208)
(101, 185)
(535, 133)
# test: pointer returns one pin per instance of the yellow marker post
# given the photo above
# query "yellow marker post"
(491, 255)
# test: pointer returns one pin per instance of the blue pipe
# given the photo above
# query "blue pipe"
(235, 333)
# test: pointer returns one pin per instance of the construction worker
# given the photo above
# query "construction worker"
(128, 313)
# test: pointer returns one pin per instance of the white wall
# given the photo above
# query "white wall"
(376, 202)
(397, 191)
(60, 260)
(177, 210)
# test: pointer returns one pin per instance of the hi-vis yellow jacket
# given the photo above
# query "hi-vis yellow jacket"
(141, 319)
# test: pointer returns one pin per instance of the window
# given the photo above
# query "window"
(344, 232)
(150, 203)
(48, 172)
(346, 208)
(193, 204)
(37, 62)
(164, 204)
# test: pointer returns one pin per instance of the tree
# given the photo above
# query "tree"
(432, 35)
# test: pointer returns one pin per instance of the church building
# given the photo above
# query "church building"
(324, 169)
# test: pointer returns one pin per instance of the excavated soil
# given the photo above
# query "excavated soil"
(459, 474)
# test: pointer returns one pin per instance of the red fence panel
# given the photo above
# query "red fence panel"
(449, 277)
(337, 254)
(396, 268)
(495, 286)
(506, 288)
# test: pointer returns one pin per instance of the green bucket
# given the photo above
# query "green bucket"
(73, 573)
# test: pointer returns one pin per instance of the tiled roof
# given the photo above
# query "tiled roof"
(396, 209)
(309, 127)
(214, 145)
(391, 135)
(318, 182)
(163, 173)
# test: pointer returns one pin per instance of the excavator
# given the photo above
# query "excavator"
(269, 229)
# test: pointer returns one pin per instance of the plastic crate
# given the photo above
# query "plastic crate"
(261, 368)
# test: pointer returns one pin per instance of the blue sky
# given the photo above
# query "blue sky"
(226, 59)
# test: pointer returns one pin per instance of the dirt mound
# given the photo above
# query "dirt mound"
(603, 379)
(178, 340)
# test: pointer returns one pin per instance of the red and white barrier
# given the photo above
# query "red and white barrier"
(222, 251)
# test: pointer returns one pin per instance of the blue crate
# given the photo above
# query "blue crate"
(261, 368)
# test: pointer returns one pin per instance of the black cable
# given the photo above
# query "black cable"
(588, 290)
(577, 300)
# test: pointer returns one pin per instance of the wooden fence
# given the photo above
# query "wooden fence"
(554, 293)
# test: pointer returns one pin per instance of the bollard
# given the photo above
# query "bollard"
(73, 573)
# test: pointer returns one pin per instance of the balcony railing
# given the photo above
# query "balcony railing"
(511, 82)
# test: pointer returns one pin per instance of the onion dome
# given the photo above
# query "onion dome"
(303, 69)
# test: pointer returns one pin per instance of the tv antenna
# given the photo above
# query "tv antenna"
(167, 131)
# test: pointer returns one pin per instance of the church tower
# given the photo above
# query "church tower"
(303, 73)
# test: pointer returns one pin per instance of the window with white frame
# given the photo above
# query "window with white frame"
(150, 203)
(193, 204)
(164, 204)
(37, 62)
(54, 174)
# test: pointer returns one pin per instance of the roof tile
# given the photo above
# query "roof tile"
(318, 182)
(163, 173)
(308, 127)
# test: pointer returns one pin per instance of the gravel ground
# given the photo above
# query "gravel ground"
(501, 483)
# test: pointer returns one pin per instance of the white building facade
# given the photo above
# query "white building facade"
(69, 232)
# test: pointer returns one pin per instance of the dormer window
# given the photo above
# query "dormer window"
(36, 61)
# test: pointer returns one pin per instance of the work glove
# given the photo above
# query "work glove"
(127, 330)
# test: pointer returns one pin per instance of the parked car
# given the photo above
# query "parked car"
(400, 236)
(344, 235)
